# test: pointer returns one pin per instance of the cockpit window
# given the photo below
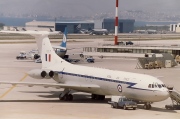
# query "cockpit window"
(149, 86)
(155, 86)
(163, 85)
(152, 85)
(159, 86)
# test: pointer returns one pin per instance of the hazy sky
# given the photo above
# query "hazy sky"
(85, 7)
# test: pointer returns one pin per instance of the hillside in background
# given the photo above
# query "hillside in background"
(83, 7)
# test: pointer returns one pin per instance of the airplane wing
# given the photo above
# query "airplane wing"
(56, 85)
(30, 32)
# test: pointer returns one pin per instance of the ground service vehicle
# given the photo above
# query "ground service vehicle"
(22, 55)
(122, 102)
(129, 43)
(33, 54)
(90, 60)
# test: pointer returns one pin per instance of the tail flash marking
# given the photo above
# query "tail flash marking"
(48, 57)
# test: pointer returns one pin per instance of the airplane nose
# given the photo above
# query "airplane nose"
(165, 94)
(162, 95)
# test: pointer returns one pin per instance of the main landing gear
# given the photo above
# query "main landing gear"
(65, 95)
(97, 97)
(147, 106)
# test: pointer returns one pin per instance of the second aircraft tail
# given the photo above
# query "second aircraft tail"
(63, 44)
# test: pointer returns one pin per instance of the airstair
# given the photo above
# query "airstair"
(175, 97)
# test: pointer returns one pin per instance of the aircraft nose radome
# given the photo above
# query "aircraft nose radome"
(165, 95)
(162, 95)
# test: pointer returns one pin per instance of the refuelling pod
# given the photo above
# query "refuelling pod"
(41, 74)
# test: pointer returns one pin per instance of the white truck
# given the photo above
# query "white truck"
(33, 54)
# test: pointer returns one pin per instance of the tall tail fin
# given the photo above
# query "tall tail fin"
(48, 55)
(63, 44)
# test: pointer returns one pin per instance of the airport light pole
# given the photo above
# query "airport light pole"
(116, 24)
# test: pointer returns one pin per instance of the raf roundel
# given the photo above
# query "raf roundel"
(119, 87)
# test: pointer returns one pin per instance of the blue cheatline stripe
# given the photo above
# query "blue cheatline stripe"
(46, 57)
(105, 79)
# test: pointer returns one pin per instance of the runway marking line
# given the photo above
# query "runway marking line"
(13, 87)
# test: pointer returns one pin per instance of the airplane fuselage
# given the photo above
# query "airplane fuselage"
(112, 82)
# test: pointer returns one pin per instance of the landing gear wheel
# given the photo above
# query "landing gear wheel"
(61, 98)
(102, 97)
(70, 97)
(93, 96)
(97, 97)
(66, 98)
(147, 106)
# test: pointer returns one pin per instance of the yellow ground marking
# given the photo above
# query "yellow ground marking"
(13, 87)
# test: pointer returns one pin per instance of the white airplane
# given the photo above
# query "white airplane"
(93, 31)
(99, 32)
(97, 81)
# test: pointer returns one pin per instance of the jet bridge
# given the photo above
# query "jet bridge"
(175, 97)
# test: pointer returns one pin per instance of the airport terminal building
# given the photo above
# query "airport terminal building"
(125, 25)
(175, 28)
(59, 25)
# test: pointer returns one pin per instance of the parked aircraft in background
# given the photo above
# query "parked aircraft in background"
(92, 31)
(149, 31)
(146, 31)
(60, 50)
(99, 32)
(141, 31)
(33, 55)
(99, 82)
